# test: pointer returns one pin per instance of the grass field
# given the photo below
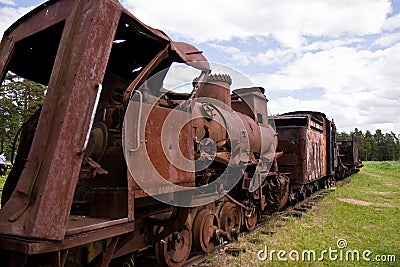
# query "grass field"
(3, 180)
(358, 218)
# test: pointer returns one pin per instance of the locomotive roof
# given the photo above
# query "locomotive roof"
(49, 3)
(256, 89)
(304, 116)
(42, 29)
(305, 113)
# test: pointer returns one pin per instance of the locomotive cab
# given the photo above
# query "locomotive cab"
(70, 185)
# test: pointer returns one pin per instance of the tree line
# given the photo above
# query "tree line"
(20, 98)
(377, 146)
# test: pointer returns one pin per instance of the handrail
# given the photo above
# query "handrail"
(138, 121)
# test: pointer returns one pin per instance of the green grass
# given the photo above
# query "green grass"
(372, 225)
(3, 180)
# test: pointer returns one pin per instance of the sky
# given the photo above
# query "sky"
(340, 57)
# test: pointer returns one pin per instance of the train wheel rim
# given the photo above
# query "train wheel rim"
(250, 219)
(230, 219)
(285, 193)
(174, 250)
(204, 227)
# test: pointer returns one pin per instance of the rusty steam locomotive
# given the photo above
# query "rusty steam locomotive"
(113, 162)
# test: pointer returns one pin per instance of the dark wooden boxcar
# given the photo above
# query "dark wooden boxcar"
(348, 155)
(307, 140)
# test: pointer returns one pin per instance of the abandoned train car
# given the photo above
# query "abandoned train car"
(114, 162)
(308, 142)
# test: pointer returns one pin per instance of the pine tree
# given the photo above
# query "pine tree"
(19, 99)
(370, 146)
(362, 151)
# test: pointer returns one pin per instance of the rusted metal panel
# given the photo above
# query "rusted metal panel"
(316, 152)
(40, 205)
(154, 136)
(6, 48)
(190, 55)
(302, 138)
(348, 151)
(252, 102)
(98, 232)
(182, 53)
(39, 19)
(150, 147)
(332, 150)
(292, 142)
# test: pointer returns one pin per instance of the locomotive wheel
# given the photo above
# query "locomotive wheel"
(284, 194)
(309, 189)
(303, 193)
(205, 225)
(230, 219)
(317, 187)
(174, 250)
(250, 219)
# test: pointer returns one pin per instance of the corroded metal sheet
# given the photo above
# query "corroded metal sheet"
(151, 175)
(39, 207)
(302, 138)
(316, 154)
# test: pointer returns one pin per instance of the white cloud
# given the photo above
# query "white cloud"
(387, 40)
(9, 15)
(7, 2)
(392, 23)
(362, 88)
(180, 77)
(280, 56)
(339, 69)
(320, 44)
(283, 56)
(287, 21)
(237, 56)
(274, 56)
(333, 43)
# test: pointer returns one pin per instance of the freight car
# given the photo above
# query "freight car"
(308, 142)
(114, 162)
(348, 157)
(312, 156)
